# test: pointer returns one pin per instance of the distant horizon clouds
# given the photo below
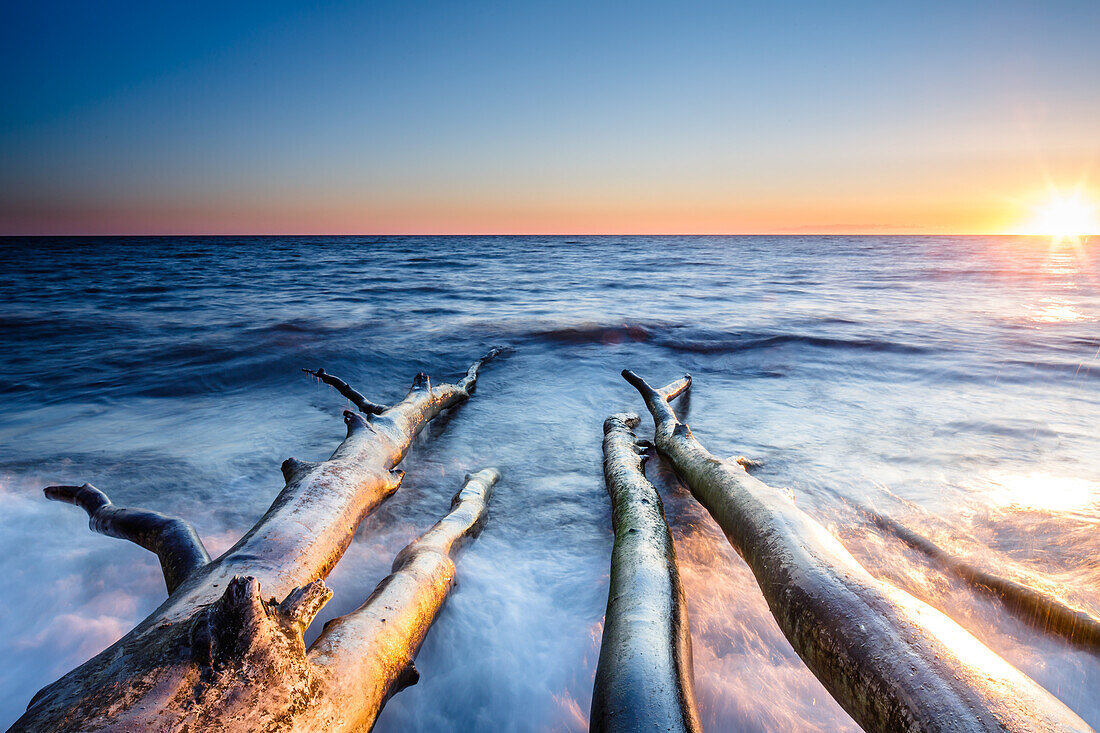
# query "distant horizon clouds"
(555, 118)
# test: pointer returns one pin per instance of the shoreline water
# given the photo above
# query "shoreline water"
(949, 381)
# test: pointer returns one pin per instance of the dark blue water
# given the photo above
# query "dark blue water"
(953, 383)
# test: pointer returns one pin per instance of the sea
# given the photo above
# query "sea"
(952, 383)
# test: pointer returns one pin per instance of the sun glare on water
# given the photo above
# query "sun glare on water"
(1040, 491)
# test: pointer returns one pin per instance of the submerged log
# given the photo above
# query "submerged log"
(893, 662)
(216, 655)
(644, 678)
(1030, 604)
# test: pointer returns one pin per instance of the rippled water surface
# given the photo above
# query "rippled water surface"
(953, 383)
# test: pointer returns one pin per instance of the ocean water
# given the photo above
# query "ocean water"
(952, 383)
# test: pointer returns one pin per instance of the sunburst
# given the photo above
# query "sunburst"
(1064, 217)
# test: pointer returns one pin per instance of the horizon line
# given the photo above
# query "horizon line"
(540, 234)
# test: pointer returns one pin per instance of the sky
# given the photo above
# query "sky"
(543, 117)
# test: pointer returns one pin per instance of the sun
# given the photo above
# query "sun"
(1064, 217)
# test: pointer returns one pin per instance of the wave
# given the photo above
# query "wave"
(704, 341)
(595, 334)
(1075, 370)
(735, 342)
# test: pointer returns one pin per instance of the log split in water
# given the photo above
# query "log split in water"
(892, 661)
(644, 676)
(217, 656)
(1033, 606)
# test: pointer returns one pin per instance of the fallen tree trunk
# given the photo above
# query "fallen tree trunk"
(215, 655)
(892, 661)
(644, 677)
(1033, 606)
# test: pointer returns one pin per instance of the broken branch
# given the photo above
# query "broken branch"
(173, 540)
(356, 398)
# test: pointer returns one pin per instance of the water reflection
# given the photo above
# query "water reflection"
(1067, 258)
(1051, 310)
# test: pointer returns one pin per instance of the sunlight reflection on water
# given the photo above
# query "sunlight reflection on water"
(1050, 310)
(1042, 491)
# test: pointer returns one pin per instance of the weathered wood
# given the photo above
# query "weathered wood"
(892, 661)
(368, 654)
(216, 655)
(644, 677)
(1030, 604)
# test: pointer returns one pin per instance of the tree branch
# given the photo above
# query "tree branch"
(469, 383)
(406, 419)
(174, 541)
(368, 653)
(361, 403)
(656, 400)
(310, 524)
(221, 651)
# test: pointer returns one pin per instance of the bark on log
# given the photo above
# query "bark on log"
(644, 677)
(218, 656)
(892, 661)
(1033, 606)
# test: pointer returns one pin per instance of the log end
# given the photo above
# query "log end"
(303, 604)
(292, 468)
(86, 496)
(355, 421)
(621, 421)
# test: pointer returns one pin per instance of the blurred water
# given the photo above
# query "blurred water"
(953, 383)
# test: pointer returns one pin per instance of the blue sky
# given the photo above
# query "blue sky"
(567, 117)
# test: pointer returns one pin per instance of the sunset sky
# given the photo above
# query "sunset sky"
(563, 117)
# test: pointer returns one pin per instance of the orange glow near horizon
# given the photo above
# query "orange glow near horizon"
(963, 206)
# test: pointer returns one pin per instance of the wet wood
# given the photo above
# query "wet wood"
(223, 652)
(644, 677)
(1030, 604)
(892, 661)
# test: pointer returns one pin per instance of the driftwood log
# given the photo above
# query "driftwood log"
(893, 662)
(644, 677)
(1030, 604)
(222, 653)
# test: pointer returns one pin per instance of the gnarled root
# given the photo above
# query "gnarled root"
(215, 655)
(892, 661)
(173, 540)
(1033, 606)
(644, 676)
